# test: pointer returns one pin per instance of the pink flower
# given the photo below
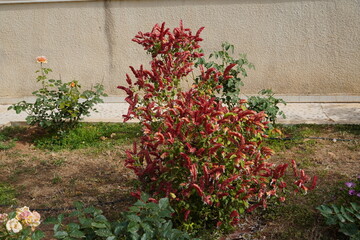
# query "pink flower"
(3, 217)
(350, 184)
(41, 59)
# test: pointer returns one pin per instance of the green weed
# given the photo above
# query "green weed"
(7, 194)
(56, 179)
(86, 135)
(349, 128)
(6, 145)
(7, 141)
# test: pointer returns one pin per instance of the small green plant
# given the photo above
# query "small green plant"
(56, 179)
(268, 103)
(6, 141)
(229, 85)
(7, 194)
(58, 105)
(231, 82)
(348, 218)
(6, 145)
(145, 220)
(90, 224)
(347, 214)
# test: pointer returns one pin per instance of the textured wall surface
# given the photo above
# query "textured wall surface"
(299, 47)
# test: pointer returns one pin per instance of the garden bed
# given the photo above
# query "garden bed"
(48, 175)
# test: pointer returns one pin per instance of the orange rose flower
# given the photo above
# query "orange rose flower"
(72, 84)
(41, 59)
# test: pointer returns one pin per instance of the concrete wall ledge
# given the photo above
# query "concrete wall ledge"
(289, 99)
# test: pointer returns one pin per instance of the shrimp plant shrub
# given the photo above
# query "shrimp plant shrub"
(206, 158)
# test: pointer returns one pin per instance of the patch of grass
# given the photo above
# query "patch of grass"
(7, 139)
(7, 194)
(86, 135)
(20, 172)
(298, 219)
(296, 135)
(58, 162)
(56, 179)
(6, 145)
(353, 129)
(7, 133)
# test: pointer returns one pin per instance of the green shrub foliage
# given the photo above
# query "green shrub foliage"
(145, 220)
(231, 85)
(268, 103)
(59, 105)
(346, 215)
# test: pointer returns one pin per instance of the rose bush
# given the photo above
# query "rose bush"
(20, 225)
(58, 106)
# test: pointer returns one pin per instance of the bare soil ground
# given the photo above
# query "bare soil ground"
(54, 180)
(48, 180)
(333, 161)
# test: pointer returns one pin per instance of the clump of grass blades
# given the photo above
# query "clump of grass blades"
(87, 135)
(7, 194)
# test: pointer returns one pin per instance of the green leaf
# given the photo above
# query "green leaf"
(119, 228)
(37, 235)
(60, 234)
(78, 205)
(145, 237)
(147, 228)
(77, 234)
(75, 214)
(340, 217)
(355, 206)
(165, 213)
(133, 227)
(133, 218)
(90, 210)
(346, 215)
(349, 229)
(104, 233)
(73, 226)
(60, 218)
(85, 222)
(56, 227)
(100, 218)
(98, 225)
(163, 203)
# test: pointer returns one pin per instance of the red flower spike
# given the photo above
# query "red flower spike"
(234, 214)
(186, 215)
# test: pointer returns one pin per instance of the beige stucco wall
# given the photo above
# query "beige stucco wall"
(299, 47)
